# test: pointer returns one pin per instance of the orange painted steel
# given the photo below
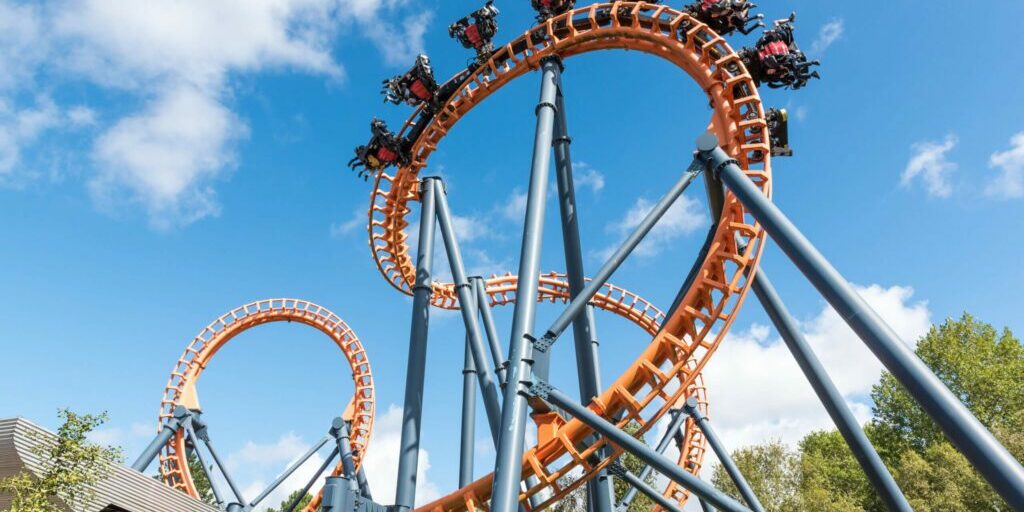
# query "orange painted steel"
(667, 369)
(202, 348)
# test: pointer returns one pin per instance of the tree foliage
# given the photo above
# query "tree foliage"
(288, 501)
(771, 469)
(983, 367)
(71, 465)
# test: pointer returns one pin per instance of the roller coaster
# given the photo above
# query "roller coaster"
(579, 441)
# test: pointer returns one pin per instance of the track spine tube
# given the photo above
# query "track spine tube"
(412, 412)
(1002, 471)
(830, 397)
(509, 459)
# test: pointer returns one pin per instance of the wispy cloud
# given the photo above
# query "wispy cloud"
(357, 220)
(1009, 183)
(585, 176)
(177, 59)
(827, 35)
(930, 163)
(684, 217)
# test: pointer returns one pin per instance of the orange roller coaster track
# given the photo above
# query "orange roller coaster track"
(669, 366)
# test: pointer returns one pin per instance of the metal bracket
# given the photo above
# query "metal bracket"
(542, 345)
(617, 469)
(539, 389)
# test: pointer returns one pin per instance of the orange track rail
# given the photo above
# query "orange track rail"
(668, 368)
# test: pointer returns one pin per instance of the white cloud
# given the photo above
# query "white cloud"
(381, 463)
(166, 157)
(357, 220)
(20, 127)
(829, 33)
(1009, 183)
(178, 57)
(515, 205)
(684, 217)
(758, 392)
(256, 465)
(130, 439)
(80, 115)
(585, 176)
(23, 46)
(930, 163)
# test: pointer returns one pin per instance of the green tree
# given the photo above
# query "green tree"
(200, 480)
(773, 471)
(288, 501)
(831, 479)
(71, 465)
(981, 366)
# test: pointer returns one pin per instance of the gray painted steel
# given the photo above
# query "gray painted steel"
(636, 483)
(125, 488)
(484, 372)
(468, 430)
(412, 412)
(678, 418)
(218, 493)
(508, 463)
(180, 413)
(986, 454)
(291, 469)
(309, 484)
(830, 397)
(577, 305)
(584, 330)
(627, 442)
(723, 455)
(484, 306)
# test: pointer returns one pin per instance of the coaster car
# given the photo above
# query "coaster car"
(416, 87)
(726, 16)
(384, 150)
(777, 61)
(477, 30)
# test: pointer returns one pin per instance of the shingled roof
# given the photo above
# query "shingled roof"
(125, 490)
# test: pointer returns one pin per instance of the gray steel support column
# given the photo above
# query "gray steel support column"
(599, 489)
(467, 299)
(180, 413)
(678, 419)
(309, 484)
(203, 434)
(830, 397)
(412, 412)
(643, 452)
(635, 483)
(337, 497)
(581, 301)
(704, 505)
(344, 445)
(218, 496)
(364, 485)
(483, 305)
(723, 455)
(291, 469)
(468, 433)
(986, 454)
(509, 460)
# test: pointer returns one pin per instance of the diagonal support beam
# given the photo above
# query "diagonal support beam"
(678, 419)
(579, 303)
(467, 300)
(723, 455)
(638, 484)
(483, 305)
(830, 397)
(629, 443)
(1002, 471)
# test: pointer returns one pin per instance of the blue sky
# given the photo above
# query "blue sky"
(161, 165)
